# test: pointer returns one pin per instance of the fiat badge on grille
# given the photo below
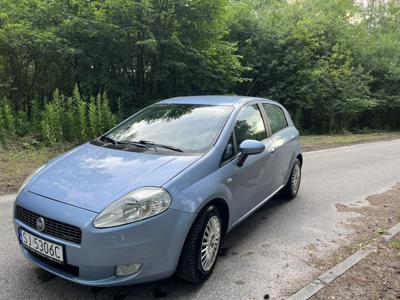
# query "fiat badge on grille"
(40, 224)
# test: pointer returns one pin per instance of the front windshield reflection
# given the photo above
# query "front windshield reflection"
(192, 128)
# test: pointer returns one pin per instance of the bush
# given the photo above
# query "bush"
(80, 127)
(62, 118)
(36, 115)
(8, 117)
(51, 123)
(93, 118)
(107, 118)
(22, 123)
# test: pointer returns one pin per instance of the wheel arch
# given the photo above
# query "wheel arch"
(300, 158)
(223, 209)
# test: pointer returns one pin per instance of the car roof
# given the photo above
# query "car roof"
(213, 100)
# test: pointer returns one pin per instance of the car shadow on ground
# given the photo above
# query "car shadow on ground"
(172, 287)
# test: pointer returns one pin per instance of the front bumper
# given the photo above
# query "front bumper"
(156, 243)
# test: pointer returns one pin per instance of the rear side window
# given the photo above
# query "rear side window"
(276, 117)
(250, 125)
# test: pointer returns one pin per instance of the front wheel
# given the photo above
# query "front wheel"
(293, 184)
(200, 251)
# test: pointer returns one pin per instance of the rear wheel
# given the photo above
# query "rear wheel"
(200, 252)
(293, 184)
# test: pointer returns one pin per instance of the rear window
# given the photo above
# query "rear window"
(250, 125)
(276, 117)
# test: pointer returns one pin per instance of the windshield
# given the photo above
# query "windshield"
(188, 127)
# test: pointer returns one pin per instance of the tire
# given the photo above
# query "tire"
(191, 267)
(291, 189)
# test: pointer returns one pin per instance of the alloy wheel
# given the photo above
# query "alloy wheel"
(295, 180)
(210, 243)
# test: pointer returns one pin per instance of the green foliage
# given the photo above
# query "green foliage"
(68, 118)
(62, 119)
(8, 118)
(94, 123)
(299, 53)
(107, 118)
(21, 123)
(35, 114)
(334, 63)
(79, 123)
(52, 120)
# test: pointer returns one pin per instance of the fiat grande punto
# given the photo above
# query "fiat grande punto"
(155, 195)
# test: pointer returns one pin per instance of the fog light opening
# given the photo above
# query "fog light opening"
(125, 270)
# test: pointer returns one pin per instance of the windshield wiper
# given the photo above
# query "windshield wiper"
(134, 143)
(108, 139)
(160, 145)
(141, 143)
(114, 142)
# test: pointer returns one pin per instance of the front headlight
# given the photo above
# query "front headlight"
(26, 181)
(137, 205)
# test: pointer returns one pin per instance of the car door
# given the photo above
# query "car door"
(281, 137)
(251, 183)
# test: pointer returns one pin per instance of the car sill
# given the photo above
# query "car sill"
(256, 207)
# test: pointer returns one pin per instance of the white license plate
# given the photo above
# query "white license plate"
(43, 247)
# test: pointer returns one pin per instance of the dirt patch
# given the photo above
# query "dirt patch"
(379, 213)
(376, 277)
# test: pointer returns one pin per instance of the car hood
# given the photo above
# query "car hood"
(91, 177)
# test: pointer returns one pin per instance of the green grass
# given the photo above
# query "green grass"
(395, 244)
(317, 142)
(21, 157)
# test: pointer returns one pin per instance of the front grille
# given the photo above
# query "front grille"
(52, 227)
(70, 269)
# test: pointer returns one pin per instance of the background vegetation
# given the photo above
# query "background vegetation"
(70, 69)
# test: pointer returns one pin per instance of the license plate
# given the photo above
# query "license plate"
(43, 247)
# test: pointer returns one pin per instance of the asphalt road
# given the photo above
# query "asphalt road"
(266, 254)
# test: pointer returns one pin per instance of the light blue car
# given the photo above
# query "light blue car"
(155, 194)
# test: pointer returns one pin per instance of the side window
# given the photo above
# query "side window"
(229, 151)
(276, 117)
(250, 125)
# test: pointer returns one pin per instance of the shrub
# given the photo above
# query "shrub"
(22, 125)
(51, 123)
(107, 118)
(68, 119)
(80, 119)
(36, 115)
(93, 118)
(8, 118)
(61, 119)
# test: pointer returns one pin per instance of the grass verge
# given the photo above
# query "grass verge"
(319, 142)
(23, 155)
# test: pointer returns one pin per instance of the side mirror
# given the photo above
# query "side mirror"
(249, 147)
